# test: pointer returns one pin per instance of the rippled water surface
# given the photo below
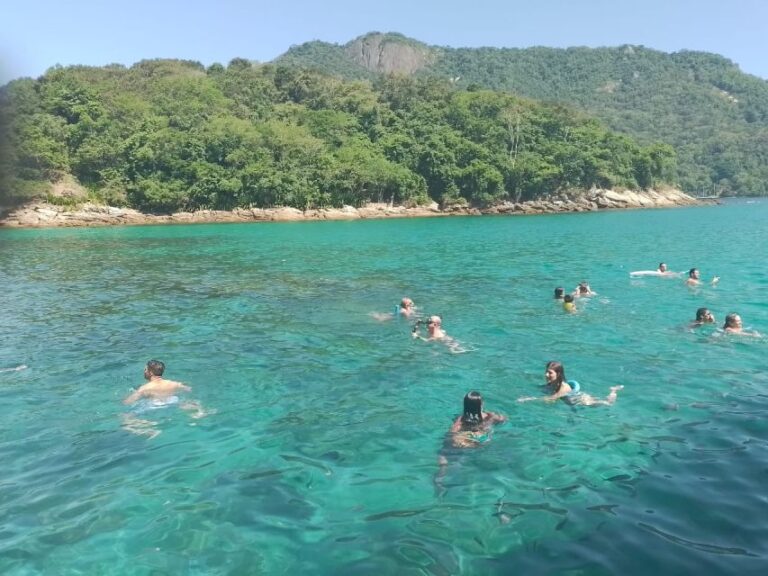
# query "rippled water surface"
(319, 449)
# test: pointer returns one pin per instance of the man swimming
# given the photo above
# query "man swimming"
(158, 388)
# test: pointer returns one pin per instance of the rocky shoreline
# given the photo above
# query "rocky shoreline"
(44, 215)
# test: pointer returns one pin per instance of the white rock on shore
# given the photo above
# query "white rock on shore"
(42, 215)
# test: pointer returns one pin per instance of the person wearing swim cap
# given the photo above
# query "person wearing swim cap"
(560, 388)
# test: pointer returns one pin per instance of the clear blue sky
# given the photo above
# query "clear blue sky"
(37, 34)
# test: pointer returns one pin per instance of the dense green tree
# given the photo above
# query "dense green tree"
(170, 135)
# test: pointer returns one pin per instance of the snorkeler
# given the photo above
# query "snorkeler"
(568, 304)
(569, 391)
(694, 278)
(703, 316)
(733, 325)
(473, 426)
(158, 388)
(434, 330)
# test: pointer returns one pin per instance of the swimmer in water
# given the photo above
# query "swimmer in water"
(583, 290)
(158, 388)
(703, 316)
(473, 426)
(733, 325)
(694, 278)
(568, 304)
(435, 333)
(570, 392)
(559, 293)
(158, 393)
(405, 309)
(471, 429)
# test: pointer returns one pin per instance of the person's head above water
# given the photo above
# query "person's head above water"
(554, 374)
(662, 267)
(693, 273)
(154, 368)
(732, 321)
(559, 291)
(584, 287)
(473, 408)
(704, 316)
(434, 322)
(406, 303)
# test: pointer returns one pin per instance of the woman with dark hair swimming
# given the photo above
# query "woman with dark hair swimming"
(473, 426)
(471, 429)
(703, 316)
(569, 390)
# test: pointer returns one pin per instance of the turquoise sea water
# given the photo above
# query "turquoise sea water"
(319, 449)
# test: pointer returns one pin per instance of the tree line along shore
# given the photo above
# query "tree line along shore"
(164, 137)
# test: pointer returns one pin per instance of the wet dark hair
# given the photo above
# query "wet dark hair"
(473, 410)
(559, 291)
(661, 264)
(568, 298)
(559, 370)
(155, 367)
(701, 314)
(691, 271)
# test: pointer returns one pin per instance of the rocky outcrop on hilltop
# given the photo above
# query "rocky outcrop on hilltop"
(387, 53)
(42, 215)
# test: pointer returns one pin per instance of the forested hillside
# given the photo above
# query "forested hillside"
(165, 135)
(715, 116)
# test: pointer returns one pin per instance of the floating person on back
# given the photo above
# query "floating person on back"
(734, 325)
(703, 316)
(694, 278)
(569, 390)
(662, 270)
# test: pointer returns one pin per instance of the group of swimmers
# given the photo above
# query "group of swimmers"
(473, 426)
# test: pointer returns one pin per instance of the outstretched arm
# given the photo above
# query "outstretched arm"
(131, 398)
